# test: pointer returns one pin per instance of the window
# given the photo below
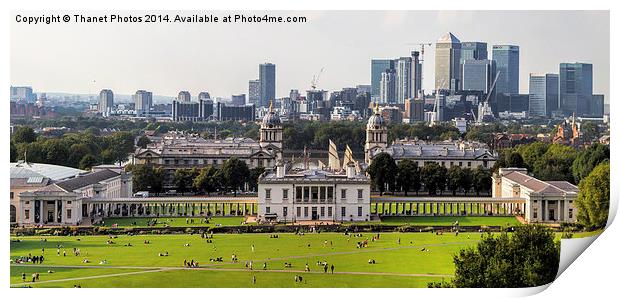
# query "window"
(298, 211)
(315, 193)
(329, 211)
(460, 163)
(322, 194)
(284, 211)
(267, 193)
(330, 193)
(359, 211)
(298, 193)
(343, 193)
(68, 202)
(469, 164)
(343, 211)
(360, 193)
(306, 193)
(267, 209)
(535, 212)
(322, 211)
(27, 214)
(68, 213)
(285, 193)
(12, 195)
(570, 213)
(305, 211)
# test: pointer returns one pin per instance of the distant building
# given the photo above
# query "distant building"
(392, 115)
(184, 96)
(414, 110)
(192, 111)
(472, 50)
(575, 88)
(478, 75)
(460, 124)
(514, 103)
(447, 62)
(545, 201)
(597, 105)
(377, 68)
(23, 94)
(238, 99)
(235, 113)
(106, 102)
(404, 79)
(143, 103)
(254, 92)
(507, 64)
(267, 78)
(387, 89)
(204, 95)
(568, 133)
(544, 97)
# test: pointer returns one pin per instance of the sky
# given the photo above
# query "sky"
(221, 58)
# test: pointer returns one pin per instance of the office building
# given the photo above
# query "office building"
(387, 88)
(192, 111)
(575, 88)
(478, 75)
(544, 97)
(377, 68)
(238, 99)
(597, 105)
(416, 75)
(106, 102)
(267, 78)
(184, 96)
(513, 103)
(414, 110)
(144, 101)
(507, 64)
(404, 79)
(22, 94)
(204, 95)
(235, 113)
(254, 92)
(447, 62)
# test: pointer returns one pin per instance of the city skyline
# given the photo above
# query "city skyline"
(222, 64)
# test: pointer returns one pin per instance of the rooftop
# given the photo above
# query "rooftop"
(448, 38)
(539, 186)
(53, 172)
(88, 179)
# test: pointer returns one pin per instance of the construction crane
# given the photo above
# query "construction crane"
(315, 79)
(421, 45)
(484, 108)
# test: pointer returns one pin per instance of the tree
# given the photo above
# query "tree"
(121, 144)
(482, 180)
(87, 162)
(24, 134)
(207, 180)
(13, 152)
(434, 177)
(235, 173)
(529, 257)
(593, 198)
(467, 180)
(556, 164)
(588, 159)
(407, 175)
(147, 178)
(383, 172)
(184, 179)
(143, 141)
(253, 178)
(531, 153)
(455, 175)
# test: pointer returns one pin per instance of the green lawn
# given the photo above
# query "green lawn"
(175, 222)
(397, 265)
(450, 220)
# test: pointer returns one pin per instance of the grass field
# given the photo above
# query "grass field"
(419, 258)
(175, 222)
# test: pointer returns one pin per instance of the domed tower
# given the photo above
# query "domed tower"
(376, 134)
(271, 133)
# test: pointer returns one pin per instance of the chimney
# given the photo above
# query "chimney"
(351, 170)
(280, 169)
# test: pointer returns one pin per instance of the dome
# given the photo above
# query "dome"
(271, 119)
(375, 121)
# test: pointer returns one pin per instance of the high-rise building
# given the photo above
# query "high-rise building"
(204, 95)
(377, 67)
(23, 93)
(235, 113)
(472, 50)
(447, 62)
(507, 64)
(478, 75)
(106, 102)
(597, 106)
(544, 98)
(144, 102)
(414, 110)
(387, 87)
(403, 79)
(192, 111)
(416, 75)
(184, 96)
(238, 99)
(254, 92)
(575, 88)
(267, 77)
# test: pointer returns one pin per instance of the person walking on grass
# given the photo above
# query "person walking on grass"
(332, 268)
(254, 279)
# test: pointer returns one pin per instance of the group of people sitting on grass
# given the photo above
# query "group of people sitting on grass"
(190, 264)
(29, 259)
(164, 254)
(217, 259)
(234, 258)
(275, 236)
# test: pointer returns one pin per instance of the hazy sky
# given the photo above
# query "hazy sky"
(221, 58)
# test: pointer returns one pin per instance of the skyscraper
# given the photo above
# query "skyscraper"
(472, 50)
(387, 88)
(447, 60)
(184, 96)
(144, 102)
(543, 95)
(204, 95)
(478, 75)
(377, 67)
(106, 102)
(267, 77)
(254, 92)
(403, 79)
(575, 88)
(507, 63)
(416, 73)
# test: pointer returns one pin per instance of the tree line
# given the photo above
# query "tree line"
(406, 176)
(233, 176)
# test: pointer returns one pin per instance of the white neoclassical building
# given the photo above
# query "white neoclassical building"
(545, 201)
(318, 195)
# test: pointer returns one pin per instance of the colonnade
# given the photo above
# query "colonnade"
(446, 208)
(157, 209)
